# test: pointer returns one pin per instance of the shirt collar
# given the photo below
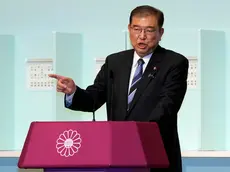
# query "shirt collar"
(137, 57)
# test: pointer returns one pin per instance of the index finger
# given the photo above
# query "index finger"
(56, 76)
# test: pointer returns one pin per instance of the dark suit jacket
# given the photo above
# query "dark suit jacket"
(158, 97)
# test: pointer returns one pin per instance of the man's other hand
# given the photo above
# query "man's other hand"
(64, 84)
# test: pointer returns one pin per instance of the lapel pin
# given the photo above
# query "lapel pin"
(152, 75)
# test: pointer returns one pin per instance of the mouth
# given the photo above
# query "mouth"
(142, 45)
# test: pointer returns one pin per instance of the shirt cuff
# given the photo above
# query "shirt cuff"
(69, 99)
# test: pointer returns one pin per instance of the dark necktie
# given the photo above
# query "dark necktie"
(136, 78)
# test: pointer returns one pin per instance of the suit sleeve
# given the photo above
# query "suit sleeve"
(93, 97)
(173, 92)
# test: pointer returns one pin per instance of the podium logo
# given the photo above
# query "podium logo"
(68, 143)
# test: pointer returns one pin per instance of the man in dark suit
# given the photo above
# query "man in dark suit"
(147, 83)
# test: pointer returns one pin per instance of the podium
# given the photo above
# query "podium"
(93, 146)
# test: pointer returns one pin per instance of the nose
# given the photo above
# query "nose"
(142, 34)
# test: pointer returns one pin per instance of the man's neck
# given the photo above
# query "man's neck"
(150, 52)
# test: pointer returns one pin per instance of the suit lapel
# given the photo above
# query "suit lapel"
(125, 67)
(148, 75)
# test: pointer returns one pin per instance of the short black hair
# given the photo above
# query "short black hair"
(146, 10)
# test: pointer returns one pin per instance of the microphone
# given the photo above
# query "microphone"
(153, 74)
(94, 104)
(94, 111)
(111, 98)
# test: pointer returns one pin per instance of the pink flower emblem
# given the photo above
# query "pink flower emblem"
(68, 143)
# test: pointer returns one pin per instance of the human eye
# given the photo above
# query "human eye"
(150, 30)
(136, 28)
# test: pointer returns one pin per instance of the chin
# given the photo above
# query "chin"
(142, 51)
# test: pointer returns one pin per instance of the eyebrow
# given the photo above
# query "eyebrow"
(151, 27)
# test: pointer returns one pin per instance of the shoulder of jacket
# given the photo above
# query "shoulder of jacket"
(119, 54)
(175, 56)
